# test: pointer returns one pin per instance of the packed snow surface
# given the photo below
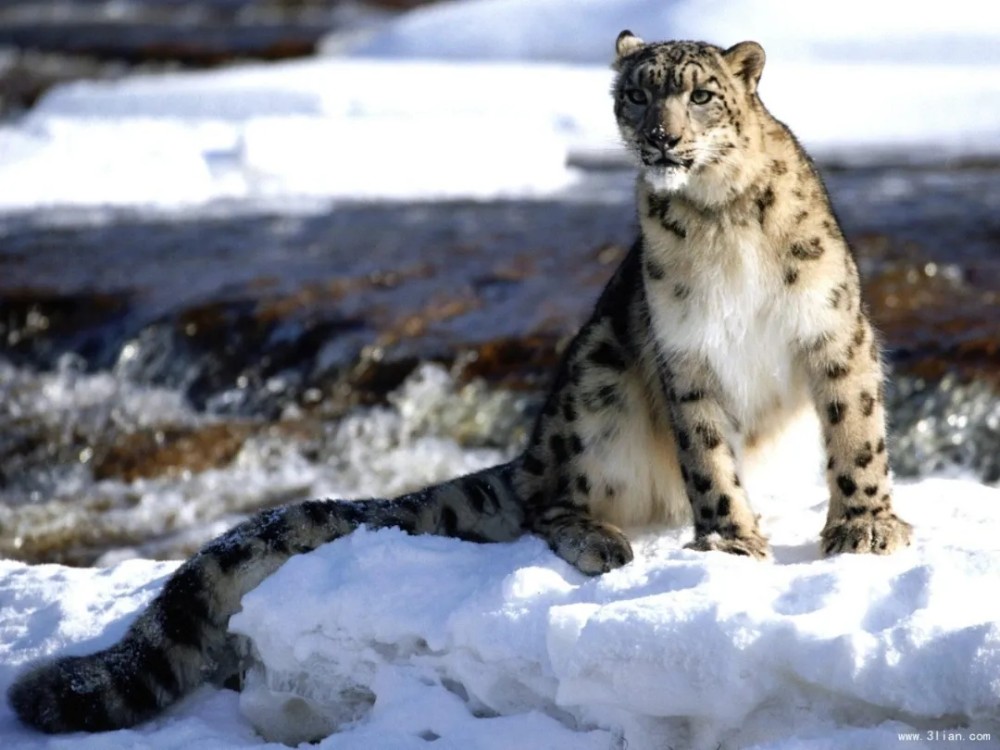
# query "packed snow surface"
(390, 641)
(496, 98)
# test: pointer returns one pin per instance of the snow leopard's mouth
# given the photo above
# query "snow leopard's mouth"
(664, 161)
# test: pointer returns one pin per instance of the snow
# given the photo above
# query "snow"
(579, 30)
(495, 98)
(678, 649)
(499, 646)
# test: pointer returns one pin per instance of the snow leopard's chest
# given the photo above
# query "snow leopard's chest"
(725, 305)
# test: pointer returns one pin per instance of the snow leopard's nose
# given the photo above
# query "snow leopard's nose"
(659, 137)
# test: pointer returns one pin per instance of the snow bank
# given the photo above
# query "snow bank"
(298, 130)
(856, 80)
(579, 30)
(677, 649)
(394, 641)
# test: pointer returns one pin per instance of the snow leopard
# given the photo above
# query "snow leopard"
(737, 308)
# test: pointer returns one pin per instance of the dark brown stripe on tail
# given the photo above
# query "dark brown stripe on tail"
(44, 699)
(183, 612)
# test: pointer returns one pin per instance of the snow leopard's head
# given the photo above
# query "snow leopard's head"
(686, 110)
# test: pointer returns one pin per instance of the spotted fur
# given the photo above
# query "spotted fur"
(737, 308)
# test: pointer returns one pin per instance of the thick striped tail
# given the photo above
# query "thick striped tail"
(181, 640)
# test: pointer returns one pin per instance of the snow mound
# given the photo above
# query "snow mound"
(411, 638)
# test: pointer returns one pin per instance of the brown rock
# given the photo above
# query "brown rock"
(170, 451)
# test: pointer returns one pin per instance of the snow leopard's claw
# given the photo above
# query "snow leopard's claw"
(592, 547)
(878, 535)
(752, 544)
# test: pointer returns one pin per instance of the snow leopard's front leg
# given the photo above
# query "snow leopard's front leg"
(847, 383)
(723, 519)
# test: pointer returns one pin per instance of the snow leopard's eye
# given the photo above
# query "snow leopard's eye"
(701, 96)
(637, 97)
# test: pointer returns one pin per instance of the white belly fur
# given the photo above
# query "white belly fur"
(737, 319)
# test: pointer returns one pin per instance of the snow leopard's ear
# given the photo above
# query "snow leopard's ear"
(746, 61)
(625, 45)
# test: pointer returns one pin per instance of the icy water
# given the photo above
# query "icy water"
(162, 375)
